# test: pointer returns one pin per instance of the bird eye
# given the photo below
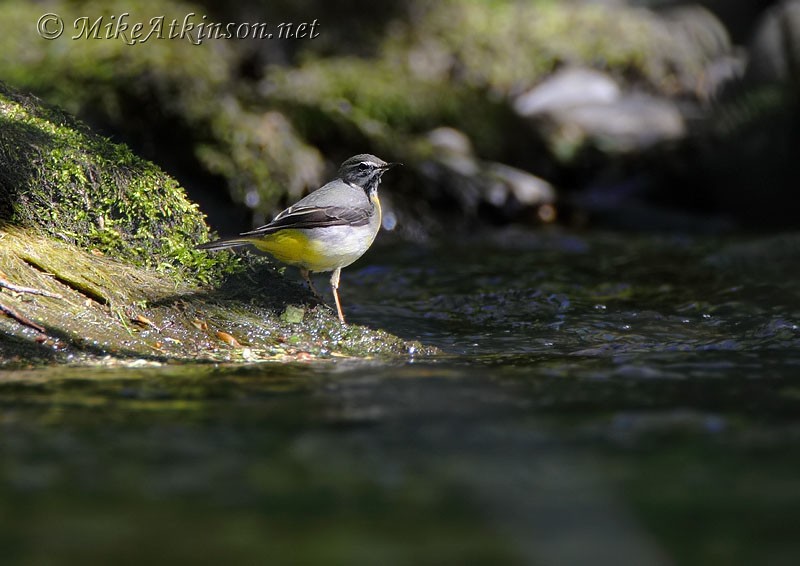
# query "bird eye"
(363, 166)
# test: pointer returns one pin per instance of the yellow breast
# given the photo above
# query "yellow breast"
(293, 247)
(377, 202)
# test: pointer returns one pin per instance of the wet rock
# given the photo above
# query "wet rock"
(567, 89)
(722, 73)
(451, 142)
(578, 108)
(473, 183)
(634, 122)
(699, 30)
(512, 183)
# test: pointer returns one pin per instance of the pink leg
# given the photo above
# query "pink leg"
(335, 287)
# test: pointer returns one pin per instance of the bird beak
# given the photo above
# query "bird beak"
(389, 166)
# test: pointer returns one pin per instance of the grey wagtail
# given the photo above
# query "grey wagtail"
(327, 230)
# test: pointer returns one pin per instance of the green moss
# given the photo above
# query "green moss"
(181, 94)
(56, 176)
(359, 103)
(85, 218)
(261, 153)
(368, 90)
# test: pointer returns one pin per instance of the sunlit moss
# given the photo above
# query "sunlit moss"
(160, 89)
(86, 190)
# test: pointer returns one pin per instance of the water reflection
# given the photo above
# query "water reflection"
(623, 400)
(567, 296)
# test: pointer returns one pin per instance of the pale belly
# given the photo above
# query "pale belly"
(323, 249)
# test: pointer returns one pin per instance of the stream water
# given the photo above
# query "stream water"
(602, 398)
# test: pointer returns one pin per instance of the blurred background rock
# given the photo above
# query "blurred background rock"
(644, 114)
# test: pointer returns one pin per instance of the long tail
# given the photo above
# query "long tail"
(223, 244)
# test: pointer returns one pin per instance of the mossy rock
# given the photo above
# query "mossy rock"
(60, 178)
(177, 100)
(113, 236)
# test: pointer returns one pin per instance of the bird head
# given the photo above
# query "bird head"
(364, 171)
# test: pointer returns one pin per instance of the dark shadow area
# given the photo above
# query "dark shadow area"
(260, 286)
(352, 27)
(69, 346)
(21, 352)
(161, 135)
(21, 147)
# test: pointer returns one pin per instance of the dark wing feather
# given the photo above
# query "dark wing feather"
(313, 217)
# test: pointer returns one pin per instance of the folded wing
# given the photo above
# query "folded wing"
(304, 218)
